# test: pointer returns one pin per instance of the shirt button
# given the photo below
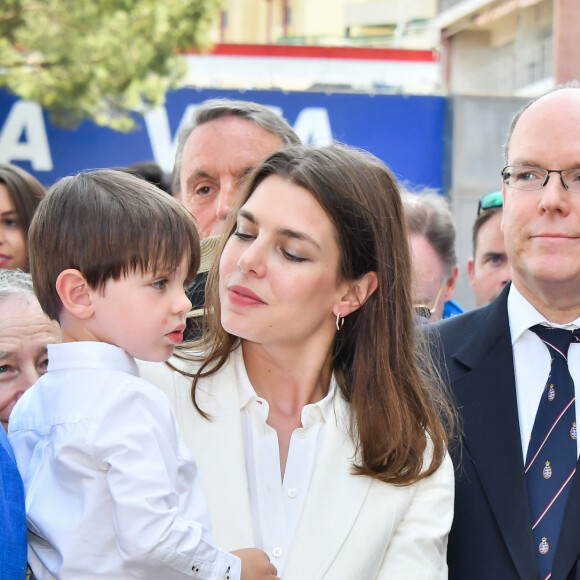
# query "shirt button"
(302, 433)
(277, 552)
(292, 492)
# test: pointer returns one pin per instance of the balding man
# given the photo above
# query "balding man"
(513, 373)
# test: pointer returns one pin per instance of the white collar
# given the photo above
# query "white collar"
(523, 315)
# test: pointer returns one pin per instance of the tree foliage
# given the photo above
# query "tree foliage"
(98, 59)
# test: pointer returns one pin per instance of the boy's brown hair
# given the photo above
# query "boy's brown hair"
(107, 224)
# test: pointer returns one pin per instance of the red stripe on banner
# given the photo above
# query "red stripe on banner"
(332, 52)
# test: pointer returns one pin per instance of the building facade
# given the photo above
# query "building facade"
(508, 47)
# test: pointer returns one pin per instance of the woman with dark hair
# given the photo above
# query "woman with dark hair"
(318, 437)
(20, 194)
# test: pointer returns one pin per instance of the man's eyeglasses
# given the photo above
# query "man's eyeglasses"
(427, 312)
(489, 201)
(530, 178)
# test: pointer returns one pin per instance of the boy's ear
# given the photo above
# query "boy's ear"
(357, 294)
(75, 294)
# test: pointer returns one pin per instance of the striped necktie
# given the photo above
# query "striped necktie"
(552, 451)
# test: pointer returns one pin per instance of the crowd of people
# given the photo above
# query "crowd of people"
(234, 377)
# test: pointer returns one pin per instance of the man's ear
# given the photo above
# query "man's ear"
(471, 271)
(357, 294)
(75, 294)
(450, 285)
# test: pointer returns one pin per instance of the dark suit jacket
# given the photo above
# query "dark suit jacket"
(491, 536)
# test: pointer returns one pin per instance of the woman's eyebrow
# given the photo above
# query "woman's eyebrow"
(248, 215)
(297, 236)
(286, 232)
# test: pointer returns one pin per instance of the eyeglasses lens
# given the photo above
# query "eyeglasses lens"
(530, 178)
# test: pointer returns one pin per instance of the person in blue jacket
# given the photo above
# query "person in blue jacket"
(12, 516)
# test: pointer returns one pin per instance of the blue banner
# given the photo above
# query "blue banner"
(407, 132)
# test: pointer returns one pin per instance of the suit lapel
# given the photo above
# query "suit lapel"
(487, 400)
(222, 462)
(335, 498)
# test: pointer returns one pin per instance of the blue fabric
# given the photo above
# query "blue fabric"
(12, 516)
(451, 309)
(552, 455)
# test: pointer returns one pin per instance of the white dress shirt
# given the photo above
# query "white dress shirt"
(111, 490)
(532, 360)
(277, 505)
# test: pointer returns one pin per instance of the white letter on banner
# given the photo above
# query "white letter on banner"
(313, 126)
(25, 117)
(163, 144)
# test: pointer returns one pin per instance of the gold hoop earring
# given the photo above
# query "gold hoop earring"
(339, 321)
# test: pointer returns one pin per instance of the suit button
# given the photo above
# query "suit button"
(277, 552)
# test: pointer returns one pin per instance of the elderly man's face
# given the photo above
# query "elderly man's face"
(216, 157)
(542, 227)
(24, 333)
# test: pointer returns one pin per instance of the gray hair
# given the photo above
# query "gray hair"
(213, 109)
(520, 112)
(16, 283)
(428, 215)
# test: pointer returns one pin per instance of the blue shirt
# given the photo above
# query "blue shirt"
(12, 516)
(451, 309)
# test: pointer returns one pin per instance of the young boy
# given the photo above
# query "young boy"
(111, 491)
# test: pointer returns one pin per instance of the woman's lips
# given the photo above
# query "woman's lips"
(242, 296)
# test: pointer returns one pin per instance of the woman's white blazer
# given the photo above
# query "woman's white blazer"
(352, 527)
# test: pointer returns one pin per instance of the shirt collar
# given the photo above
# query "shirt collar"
(89, 354)
(523, 315)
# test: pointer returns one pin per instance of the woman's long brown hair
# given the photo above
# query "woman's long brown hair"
(395, 404)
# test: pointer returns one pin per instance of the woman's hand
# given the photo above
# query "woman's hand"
(256, 565)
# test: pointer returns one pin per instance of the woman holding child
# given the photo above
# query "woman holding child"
(318, 438)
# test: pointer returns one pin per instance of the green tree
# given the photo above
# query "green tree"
(99, 59)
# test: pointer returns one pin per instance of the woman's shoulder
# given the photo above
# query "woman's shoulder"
(175, 377)
(172, 376)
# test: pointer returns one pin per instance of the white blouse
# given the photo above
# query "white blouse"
(277, 505)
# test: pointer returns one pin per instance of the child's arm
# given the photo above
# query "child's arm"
(160, 517)
(256, 565)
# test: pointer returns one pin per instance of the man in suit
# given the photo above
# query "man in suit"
(497, 367)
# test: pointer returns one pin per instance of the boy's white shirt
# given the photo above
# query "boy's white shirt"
(111, 489)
